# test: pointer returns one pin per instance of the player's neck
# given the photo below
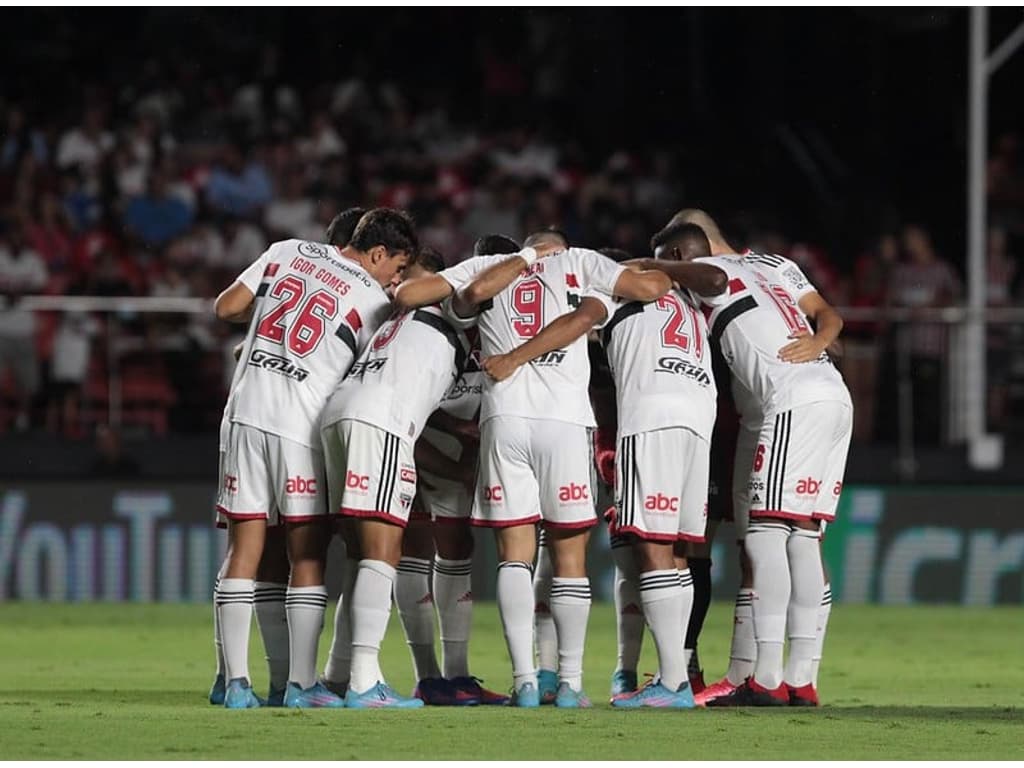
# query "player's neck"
(721, 248)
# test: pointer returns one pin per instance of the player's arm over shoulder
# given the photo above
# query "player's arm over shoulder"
(235, 303)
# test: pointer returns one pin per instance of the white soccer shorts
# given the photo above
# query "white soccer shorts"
(370, 472)
(533, 469)
(264, 474)
(798, 463)
(661, 481)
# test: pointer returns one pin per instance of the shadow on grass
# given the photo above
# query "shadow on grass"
(84, 697)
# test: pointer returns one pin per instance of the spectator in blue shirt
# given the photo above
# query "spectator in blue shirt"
(157, 217)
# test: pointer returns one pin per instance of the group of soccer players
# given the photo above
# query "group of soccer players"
(395, 403)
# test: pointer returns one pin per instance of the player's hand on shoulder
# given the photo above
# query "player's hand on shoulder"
(499, 367)
(805, 348)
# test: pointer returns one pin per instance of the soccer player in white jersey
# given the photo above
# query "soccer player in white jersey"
(535, 448)
(794, 404)
(271, 584)
(436, 566)
(369, 428)
(665, 396)
(311, 307)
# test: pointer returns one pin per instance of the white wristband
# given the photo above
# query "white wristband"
(528, 254)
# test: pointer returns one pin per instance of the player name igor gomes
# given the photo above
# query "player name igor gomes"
(683, 368)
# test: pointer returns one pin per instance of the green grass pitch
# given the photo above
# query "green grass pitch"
(130, 682)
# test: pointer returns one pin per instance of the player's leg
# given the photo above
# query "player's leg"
(220, 680)
(544, 622)
(629, 614)
(415, 602)
(824, 612)
(742, 648)
(339, 660)
(506, 500)
(831, 426)
(244, 499)
(564, 468)
(302, 500)
(269, 597)
(379, 495)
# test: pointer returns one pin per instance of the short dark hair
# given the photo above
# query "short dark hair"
(494, 244)
(430, 259)
(616, 254)
(691, 240)
(339, 231)
(546, 236)
(389, 227)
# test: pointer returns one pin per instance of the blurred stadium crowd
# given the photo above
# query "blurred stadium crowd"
(169, 188)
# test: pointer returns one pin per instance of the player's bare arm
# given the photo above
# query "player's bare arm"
(421, 291)
(557, 335)
(235, 304)
(642, 284)
(702, 279)
(809, 346)
(496, 278)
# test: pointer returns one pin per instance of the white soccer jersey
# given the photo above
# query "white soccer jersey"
(314, 313)
(661, 360)
(462, 400)
(755, 318)
(554, 386)
(402, 376)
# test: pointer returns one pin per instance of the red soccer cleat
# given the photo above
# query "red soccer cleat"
(697, 684)
(804, 696)
(711, 692)
(470, 688)
(753, 694)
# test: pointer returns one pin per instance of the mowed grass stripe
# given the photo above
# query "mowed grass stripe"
(129, 682)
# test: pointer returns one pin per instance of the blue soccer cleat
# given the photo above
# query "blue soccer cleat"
(567, 698)
(240, 695)
(217, 691)
(547, 684)
(623, 682)
(380, 696)
(525, 696)
(438, 692)
(656, 695)
(314, 697)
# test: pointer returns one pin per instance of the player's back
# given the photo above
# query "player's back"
(661, 360)
(403, 374)
(554, 385)
(758, 315)
(314, 312)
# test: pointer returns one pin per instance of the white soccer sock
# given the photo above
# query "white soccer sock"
(234, 613)
(743, 650)
(339, 662)
(269, 604)
(453, 594)
(819, 645)
(570, 607)
(629, 615)
(808, 586)
(305, 607)
(766, 547)
(514, 606)
(662, 598)
(416, 609)
(371, 609)
(547, 636)
(218, 645)
(689, 594)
